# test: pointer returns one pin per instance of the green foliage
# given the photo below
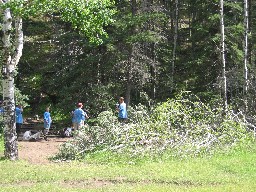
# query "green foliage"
(184, 127)
(88, 16)
(21, 99)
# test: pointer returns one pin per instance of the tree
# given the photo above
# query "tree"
(89, 17)
(140, 51)
(175, 39)
(10, 61)
(246, 30)
(224, 78)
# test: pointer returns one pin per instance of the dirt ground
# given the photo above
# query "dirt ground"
(38, 152)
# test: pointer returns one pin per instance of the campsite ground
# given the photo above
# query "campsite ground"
(234, 171)
(38, 152)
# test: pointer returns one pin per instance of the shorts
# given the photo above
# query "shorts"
(77, 126)
(47, 125)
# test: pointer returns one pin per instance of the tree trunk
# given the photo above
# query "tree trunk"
(128, 90)
(131, 59)
(18, 42)
(175, 38)
(224, 78)
(10, 136)
(10, 60)
(246, 29)
(250, 44)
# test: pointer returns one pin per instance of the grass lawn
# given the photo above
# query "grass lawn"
(229, 172)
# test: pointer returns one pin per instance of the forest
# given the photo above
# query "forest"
(151, 51)
(154, 50)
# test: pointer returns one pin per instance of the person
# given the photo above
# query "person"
(122, 113)
(47, 122)
(29, 136)
(79, 117)
(1, 108)
(19, 118)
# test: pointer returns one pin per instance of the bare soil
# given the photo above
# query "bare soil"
(38, 152)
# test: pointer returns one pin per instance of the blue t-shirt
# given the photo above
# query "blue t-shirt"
(79, 115)
(19, 118)
(122, 111)
(47, 117)
(1, 110)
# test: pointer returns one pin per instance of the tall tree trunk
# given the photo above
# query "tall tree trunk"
(128, 89)
(246, 29)
(154, 70)
(18, 42)
(224, 78)
(131, 59)
(250, 50)
(10, 60)
(175, 38)
(10, 136)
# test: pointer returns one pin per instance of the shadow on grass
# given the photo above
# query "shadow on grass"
(2, 158)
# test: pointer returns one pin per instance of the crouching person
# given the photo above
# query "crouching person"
(30, 136)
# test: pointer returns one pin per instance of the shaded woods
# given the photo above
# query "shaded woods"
(146, 51)
(155, 50)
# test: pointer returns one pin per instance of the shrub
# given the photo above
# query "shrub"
(184, 126)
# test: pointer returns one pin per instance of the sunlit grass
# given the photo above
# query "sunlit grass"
(235, 171)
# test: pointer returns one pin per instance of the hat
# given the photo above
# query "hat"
(79, 104)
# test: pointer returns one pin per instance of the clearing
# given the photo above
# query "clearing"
(38, 152)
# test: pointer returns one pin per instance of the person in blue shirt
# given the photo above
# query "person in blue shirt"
(1, 108)
(79, 117)
(47, 122)
(19, 118)
(122, 112)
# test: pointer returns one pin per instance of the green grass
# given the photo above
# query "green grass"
(232, 172)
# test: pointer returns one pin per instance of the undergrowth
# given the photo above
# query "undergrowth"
(183, 127)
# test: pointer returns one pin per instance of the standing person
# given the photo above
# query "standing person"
(79, 117)
(19, 118)
(47, 122)
(1, 108)
(122, 113)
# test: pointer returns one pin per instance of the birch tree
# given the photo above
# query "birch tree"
(10, 61)
(224, 78)
(88, 16)
(246, 29)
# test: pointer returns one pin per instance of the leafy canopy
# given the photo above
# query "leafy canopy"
(88, 16)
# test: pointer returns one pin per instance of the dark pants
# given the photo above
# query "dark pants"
(122, 120)
(18, 128)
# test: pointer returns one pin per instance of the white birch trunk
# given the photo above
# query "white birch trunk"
(18, 42)
(224, 86)
(10, 136)
(246, 29)
(10, 61)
